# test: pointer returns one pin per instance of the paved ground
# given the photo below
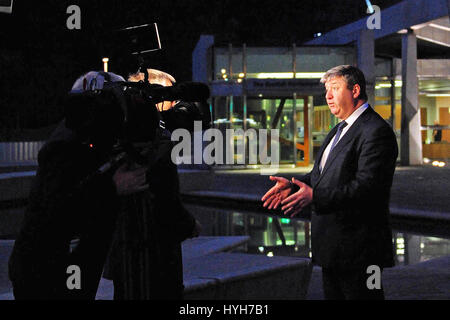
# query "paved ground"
(429, 280)
(423, 189)
(419, 188)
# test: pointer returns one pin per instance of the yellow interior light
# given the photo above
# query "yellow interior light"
(290, 75)
(105, 64)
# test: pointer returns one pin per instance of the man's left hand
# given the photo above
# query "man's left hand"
(295, 203)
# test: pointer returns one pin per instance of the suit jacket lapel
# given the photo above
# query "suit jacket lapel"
(349, 136)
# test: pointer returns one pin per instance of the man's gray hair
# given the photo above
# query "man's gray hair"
(154, 76)
(352, 76)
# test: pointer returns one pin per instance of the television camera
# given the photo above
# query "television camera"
(109, 112)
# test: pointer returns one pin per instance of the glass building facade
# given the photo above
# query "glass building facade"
(279, 88)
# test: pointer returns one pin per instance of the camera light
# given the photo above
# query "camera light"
(105, 64)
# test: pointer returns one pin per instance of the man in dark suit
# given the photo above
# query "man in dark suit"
(348, 191)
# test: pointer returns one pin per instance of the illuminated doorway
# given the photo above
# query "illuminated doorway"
(290, 116)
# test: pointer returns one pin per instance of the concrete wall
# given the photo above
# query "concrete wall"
(19, 151)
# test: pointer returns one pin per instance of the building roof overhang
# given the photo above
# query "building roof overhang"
(428, 18)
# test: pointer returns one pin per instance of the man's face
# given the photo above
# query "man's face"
(340, 99)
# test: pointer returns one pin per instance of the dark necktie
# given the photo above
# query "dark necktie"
(338, 134)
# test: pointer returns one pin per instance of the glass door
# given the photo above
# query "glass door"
(290, 116)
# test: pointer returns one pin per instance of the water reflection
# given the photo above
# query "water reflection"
(271, 235)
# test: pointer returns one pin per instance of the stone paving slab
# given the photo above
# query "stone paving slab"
(201, 246)
(247, 276)
(238, 276)
(429, 280)
(207, 269)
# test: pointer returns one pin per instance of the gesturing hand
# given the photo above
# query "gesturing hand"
(277, 193)
(129, 181)
(296, 202)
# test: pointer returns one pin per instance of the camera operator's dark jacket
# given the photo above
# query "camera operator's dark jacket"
(60, 210)
(145, 260)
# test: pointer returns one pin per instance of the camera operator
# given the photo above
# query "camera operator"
(64, 205)
(146, 260)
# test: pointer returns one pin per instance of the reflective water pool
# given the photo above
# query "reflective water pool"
(272, 235)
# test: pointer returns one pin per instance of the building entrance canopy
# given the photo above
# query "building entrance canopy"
(268, 87)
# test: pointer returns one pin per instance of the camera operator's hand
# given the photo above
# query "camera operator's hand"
(130, 180)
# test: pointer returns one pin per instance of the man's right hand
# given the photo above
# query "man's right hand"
(277, 193)
(130, 181)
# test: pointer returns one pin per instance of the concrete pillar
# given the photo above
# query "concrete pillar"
(412, 249)
(201, 66)
(366, 61)
(411, 139)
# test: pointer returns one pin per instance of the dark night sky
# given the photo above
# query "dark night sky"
(40, 58)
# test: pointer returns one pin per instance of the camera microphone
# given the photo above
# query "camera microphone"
(186, 91)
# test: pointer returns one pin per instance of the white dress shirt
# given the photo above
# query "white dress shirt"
(350, 121)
